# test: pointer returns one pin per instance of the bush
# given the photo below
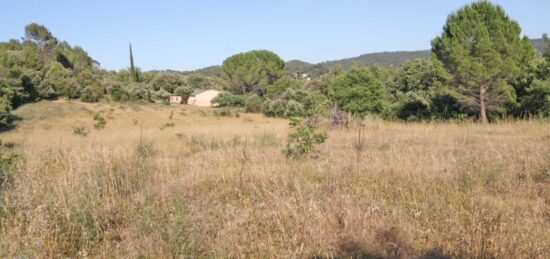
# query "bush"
(282, 85)
(166, 81)
(301, 143)
(537, 99)
(167, 125)
(8, 162)
(183, 91)
(162, 96)
(5, 109)
(225, 112)
(99, 121)
(118, 94)
(145, 149)
(92, 93)
(359, 91)
(138, 91)
(228, 99)
(294, 109)
(253, 103)
(274, 108)
(295, 101)
(80, 131)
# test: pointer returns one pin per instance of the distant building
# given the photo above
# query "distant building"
(203, 97)
(176, 99)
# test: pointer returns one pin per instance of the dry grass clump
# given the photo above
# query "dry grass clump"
(216, 186)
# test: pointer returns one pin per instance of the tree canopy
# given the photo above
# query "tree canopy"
(252, 71)
(482, 48)
(39, 34)
(359, 91)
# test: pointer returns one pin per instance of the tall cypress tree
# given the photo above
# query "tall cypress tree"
(134, 77)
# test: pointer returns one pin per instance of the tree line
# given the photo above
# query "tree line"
(480, 68)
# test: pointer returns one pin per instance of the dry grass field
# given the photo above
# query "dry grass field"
(175, 181)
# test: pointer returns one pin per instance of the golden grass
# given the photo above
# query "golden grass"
(211, 186)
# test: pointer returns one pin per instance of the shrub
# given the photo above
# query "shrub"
(166, 81)
(294, 109)
(281, 85)
(183, 91)
(5, 109)
(8, 161)
(138, 91)
(80, 131)
(145, 149)
(118, 94)
(167, 125)
(253, 103)
(274, 108)
(226, 113)
(228, 99)
(301, 143)
(296, 102)
(162, 96)
(359, 91)
(99, 121)
(92, 93)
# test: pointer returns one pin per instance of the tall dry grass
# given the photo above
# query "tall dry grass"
(215, 186)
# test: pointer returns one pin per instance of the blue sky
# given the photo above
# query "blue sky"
(186, 35)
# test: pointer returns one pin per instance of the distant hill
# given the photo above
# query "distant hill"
(389, 59)
(382, 58)
(540, 44)
(211, 71)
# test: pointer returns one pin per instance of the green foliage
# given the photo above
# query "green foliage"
(134, 73)
(294, 109)
(197, 81)
(482, 48)
(289, 98)
(253, 103)
(228, 99)
(167, 125)
(184, 91)
(274, 108)
(80, 131)
(56, 82)
(99, 121)
(39, 34)
(253, 71)
(118, 93)
(537, 99)
(359, 92)
(419, 91)
(8, 162)
(226, 112)
(166, 81)
(162, 96)
(139, 92)
(30, 81)
(5, 109)
(92, 93)
(289, 106)
(281, 85)
(301, 143)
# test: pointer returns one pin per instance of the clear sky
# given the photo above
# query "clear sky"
(186, 35)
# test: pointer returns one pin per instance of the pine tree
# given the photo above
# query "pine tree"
(482, 48)
(134, 77)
